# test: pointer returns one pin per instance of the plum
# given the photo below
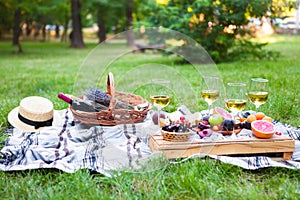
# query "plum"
(155, 118)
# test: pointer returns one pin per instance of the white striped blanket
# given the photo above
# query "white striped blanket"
(103, 149)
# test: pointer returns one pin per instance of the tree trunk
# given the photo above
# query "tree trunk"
(101, 27)
(44, 33)
(17, 30)
(57, 30)
(28, 27)
(64, 35)
(129, 23)
(76, 38)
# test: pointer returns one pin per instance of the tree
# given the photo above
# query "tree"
(129, 23)
(14, 14)
(16, 9)
(215, 24)
(282, 8)
(17, 30)
(6, 17)
(107, 14)
(76, 35)
(101, 24)
(49, 12)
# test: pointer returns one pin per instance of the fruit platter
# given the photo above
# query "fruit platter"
(222, 122)
(219, 121)
(218, 133)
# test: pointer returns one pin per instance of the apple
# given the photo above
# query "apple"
(215, 120)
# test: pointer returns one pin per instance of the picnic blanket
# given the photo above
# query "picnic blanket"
(106, 149)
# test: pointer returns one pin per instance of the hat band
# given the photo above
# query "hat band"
(35, 123)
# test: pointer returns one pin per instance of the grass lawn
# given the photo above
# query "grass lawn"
(48, 68)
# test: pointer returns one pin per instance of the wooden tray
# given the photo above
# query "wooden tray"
(254, 146)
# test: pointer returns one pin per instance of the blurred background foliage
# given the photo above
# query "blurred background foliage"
(223, 27)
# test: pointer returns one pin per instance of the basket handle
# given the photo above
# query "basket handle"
(111, 90)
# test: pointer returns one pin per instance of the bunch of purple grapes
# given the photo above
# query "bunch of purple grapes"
(180, 126)
(171, 127)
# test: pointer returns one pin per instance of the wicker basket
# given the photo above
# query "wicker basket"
(113, 116)
(176, 136)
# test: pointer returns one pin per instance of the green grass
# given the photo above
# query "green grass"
(48, 68)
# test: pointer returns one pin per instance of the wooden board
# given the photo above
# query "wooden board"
(241, 147)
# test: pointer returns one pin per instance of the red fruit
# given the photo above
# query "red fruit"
(155, 118)
(182, 118)
(205, 133)
(262, 129)
(205, 123)
(222, 112)
(278, 133)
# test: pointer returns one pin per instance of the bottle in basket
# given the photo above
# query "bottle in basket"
(78, 104)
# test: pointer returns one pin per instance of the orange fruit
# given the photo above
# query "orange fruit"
(269, 119)
(242, 119)
(251, 118)
(262, 128)
(259, 115)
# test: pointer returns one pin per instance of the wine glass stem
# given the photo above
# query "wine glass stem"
(209, 108)
(158, 117)
(233, 128)
(256, 106)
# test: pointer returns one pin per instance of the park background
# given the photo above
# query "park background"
(246, 38)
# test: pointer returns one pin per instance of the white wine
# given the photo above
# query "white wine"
(210, 96)
(258, 91)
(236, 105)
(160, 101)
(258, 98)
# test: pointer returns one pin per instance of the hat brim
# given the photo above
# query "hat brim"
(14, 120)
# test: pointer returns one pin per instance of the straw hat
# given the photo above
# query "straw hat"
(33, 114)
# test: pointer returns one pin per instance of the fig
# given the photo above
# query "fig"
(155, 118)
(205, 133)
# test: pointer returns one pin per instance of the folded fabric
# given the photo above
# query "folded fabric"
(72, 147)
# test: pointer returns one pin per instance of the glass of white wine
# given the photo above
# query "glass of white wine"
(210, 90)
(161, 99)
(258, 92)
(236, 99)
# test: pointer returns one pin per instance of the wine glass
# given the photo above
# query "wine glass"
(258, 92)
(210, 90)
(236, 99)
(160, 100)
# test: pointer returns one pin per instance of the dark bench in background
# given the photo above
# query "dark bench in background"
(142, 47)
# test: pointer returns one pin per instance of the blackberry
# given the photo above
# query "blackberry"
(171, 128)
(246, 125)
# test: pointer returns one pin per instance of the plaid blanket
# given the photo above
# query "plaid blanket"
(105, 150)
(71, 147)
